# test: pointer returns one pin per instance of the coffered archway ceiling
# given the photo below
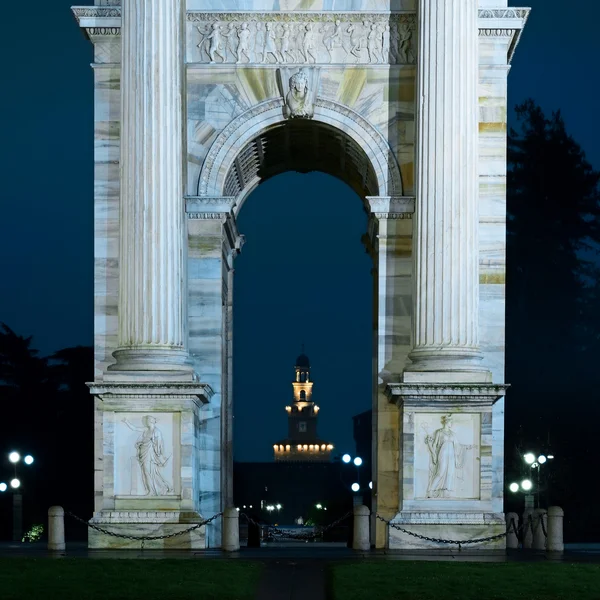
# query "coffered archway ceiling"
(303, 146)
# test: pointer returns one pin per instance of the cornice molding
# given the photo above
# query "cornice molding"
(493, 22)
(392, 207)
(209, 204)
(157, 389)
(444, 395)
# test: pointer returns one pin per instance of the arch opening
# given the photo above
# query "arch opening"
(302, 146)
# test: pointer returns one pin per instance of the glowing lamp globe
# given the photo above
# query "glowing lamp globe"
(14, 457)
(346, 458)
(526, 484)
(542, 459)
(358, 461)
(513, 487)
(370, 485)
(529, 458)
(28, 459)
(355, 487)
(3, 487)
(15, 483)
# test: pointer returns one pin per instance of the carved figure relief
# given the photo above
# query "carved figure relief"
(304, 39)
(448, 457)
(299, 92)
(151, 458)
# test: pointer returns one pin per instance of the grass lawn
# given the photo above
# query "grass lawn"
(109, 579)
(400, 580)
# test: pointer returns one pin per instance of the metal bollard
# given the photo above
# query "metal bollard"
(539, 527)
(360, 540)
(231, 530)
(555, 529)
(512, 526)
(527, 528)
(56, 529)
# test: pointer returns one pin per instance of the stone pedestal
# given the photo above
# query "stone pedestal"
(446, 464)
(152, 452)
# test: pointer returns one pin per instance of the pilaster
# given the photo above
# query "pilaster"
(390, 245)
(213, 242)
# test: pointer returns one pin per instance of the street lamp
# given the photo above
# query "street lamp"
(14, 457)
(355, 487)
(346, 458)
(536, 462)
(358, 461)
(3, 487)
(514, 487)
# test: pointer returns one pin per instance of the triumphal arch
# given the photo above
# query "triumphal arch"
(196, 103)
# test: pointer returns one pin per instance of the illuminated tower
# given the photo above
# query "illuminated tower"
(302, 443)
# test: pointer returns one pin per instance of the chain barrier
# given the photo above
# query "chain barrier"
(274, 530)
(144, 538)
(459, 543)
(543, 524)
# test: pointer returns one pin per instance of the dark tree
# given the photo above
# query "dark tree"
(553, 235)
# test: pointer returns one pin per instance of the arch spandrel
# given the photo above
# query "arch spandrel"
(257, 120)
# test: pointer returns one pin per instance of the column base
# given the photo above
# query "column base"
(446, 365)
(149, 363)
(146, 523)
(447, 526)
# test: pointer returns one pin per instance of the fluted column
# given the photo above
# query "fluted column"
(151, 266)
(445, 321)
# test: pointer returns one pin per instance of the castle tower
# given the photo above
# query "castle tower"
(302, 442)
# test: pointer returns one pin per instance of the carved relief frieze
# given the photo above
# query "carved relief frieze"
(304, 38)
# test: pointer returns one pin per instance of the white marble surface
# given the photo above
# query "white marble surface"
(216, 95)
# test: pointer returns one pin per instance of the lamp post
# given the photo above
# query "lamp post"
(357, 461)
(536, 463)
(15, 483)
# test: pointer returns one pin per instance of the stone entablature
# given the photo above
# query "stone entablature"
(384, 38)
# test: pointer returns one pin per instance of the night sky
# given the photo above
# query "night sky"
(303, 275)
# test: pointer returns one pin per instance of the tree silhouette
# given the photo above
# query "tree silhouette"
(553, 235)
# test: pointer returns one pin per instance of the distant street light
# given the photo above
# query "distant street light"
(370, 485)
(278, 506)
(3, 487)
(346, 458)
(358, 461)
(319, 506)
(529, 458)
(526, 484)
(15, 483)
(28, 459)
(513, 487)
(14, 457)
(355, 487)
(542, 459)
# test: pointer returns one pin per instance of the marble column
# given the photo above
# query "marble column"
(151, 334)
(445, 324)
